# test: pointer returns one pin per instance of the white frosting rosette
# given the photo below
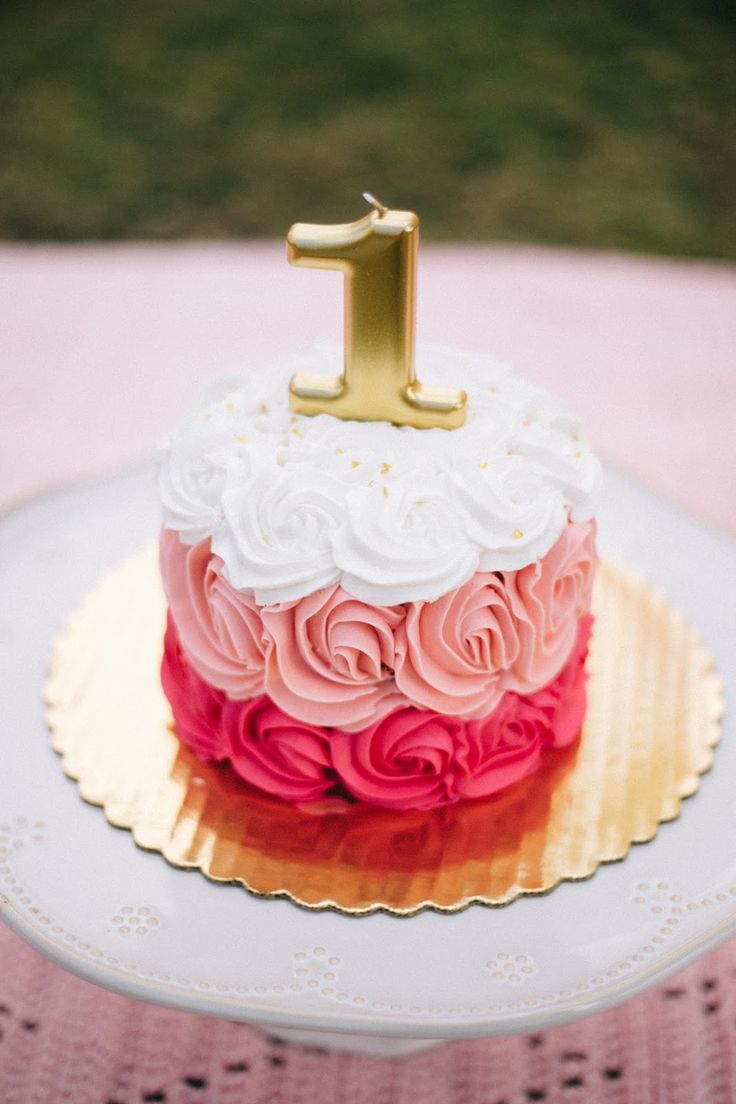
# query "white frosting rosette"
(407, 545)
(394, 514)
(278, 545)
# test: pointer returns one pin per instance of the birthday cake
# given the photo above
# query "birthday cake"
(381, 613)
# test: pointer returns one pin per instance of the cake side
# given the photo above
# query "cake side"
(409, 759)
(374, 610)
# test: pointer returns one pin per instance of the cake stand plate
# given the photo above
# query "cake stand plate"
(82, 893)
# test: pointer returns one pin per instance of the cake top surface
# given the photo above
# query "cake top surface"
(393, 513)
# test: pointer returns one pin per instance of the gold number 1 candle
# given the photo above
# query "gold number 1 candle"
(378, 256)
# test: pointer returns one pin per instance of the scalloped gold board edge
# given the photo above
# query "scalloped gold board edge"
(653, 720)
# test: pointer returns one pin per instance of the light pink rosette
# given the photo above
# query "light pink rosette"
(408, 760)
(497, 632)
(272, 751)
(451, 654)
(564, 700)
(549, 597)
(219, 628)
(331, 658)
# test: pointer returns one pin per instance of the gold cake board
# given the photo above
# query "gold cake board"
(652, 722)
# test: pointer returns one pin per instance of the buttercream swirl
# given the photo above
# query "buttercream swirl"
(332, 658)
(408, 759)
(453, 655)
(329, 658)
(549, 597)
(393, 514)
(278, 546)
(220, 629)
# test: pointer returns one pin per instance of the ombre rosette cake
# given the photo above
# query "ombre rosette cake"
(391, 615)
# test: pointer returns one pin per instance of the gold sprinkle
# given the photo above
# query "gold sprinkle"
(385, 468)
(340, 452)
(355, 463)
(518, 534)
(579, 454)
(229, 406)
(243, 438)
(509, 452)
(266, 540)
(385, 492)
(419, 501)
(296, 431)
(575, 436)
(263, 408)
(483, 466)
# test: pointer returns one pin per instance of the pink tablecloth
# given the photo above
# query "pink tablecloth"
(102, 346)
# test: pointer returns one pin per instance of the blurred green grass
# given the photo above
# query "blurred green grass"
(590, 123)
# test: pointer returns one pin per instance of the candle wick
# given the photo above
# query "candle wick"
(381, 208)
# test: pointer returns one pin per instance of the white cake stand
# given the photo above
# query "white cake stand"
(83, 894)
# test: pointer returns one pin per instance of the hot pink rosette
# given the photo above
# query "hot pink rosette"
(408, 760)
(549, 598)
(197, 706)
(276, 753)
(451, 654)
(219, 628)
(503, 748)
(564, 700)
(331, 658)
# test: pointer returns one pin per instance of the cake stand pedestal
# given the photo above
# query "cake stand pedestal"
(82, 893)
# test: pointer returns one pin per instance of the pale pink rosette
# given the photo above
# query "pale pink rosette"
(220, 629)
(276, 753)
(331, 659)
(451, 654)
(563, 701)
(549, 598)
(497, 632)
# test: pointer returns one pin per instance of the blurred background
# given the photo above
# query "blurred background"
(594, 124)
(573, 165)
